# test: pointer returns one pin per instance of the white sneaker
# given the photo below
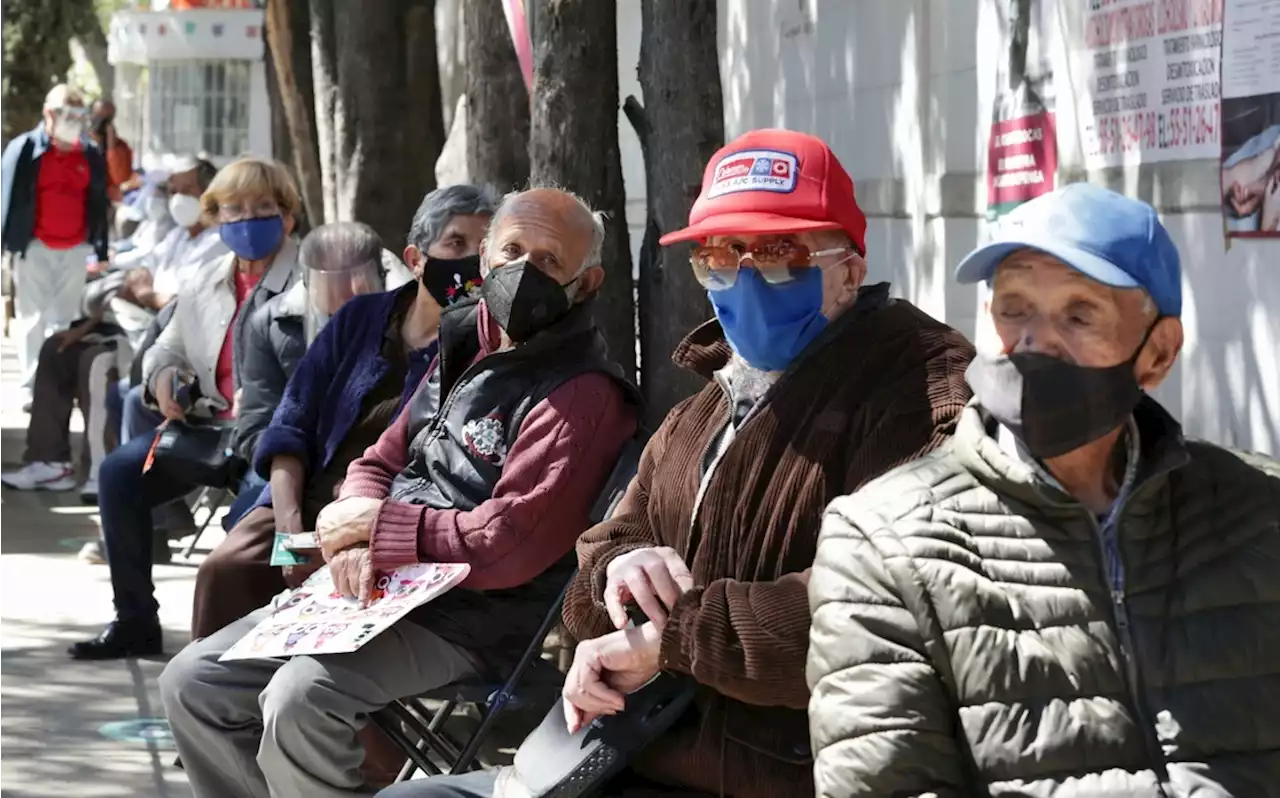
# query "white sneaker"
(41, 476)
(89, 491)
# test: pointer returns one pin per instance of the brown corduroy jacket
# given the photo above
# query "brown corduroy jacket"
(882, 386)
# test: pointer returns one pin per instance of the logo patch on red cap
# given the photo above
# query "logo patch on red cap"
(754, 170)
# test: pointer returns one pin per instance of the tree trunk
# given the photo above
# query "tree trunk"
(680, 125)
(424, 108)
(329, 112)
(573, 142)
(94, 43)
(288, 33)
(497, 100)
(378, 114)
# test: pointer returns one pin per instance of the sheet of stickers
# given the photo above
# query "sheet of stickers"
(316, 619)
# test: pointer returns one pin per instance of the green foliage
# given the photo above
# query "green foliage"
(37, 54)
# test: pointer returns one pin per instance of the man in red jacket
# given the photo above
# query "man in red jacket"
(495, 462)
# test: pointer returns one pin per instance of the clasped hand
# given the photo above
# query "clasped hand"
(607, 668)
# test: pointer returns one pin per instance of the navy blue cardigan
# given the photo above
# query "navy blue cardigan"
(322, 401)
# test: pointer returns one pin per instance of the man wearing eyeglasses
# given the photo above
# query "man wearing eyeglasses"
(816, 384)
(54, 221)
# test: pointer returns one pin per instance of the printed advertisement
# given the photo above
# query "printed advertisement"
(1022, 150)
(1152, 71)
(316, 619)
(1251, 118)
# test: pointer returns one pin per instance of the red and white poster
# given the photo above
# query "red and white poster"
(1251, 118)
(1022, 150)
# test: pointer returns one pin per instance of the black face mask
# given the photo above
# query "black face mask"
(1052, 406)
(524, 300)
(100, 125)
(451, 280)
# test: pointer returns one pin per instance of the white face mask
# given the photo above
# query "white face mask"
(184, 209)
(68, 131)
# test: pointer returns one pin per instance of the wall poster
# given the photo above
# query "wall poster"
(1251, 118)
(1022, 150)
(1151, 80)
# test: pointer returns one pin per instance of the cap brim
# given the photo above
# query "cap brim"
(752, 222)
(978, 266)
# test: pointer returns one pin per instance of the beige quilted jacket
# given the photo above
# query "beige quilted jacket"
(970, 639)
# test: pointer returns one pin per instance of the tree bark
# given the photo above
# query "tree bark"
(424, 107)
(329, 112)
(497, 100)
(680, 125)
(573, 142)
(288, 33)
(378, 114)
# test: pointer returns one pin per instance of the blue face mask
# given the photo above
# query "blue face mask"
(770, 325)
(253, 239)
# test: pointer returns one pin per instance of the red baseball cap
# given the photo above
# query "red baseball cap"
(774, 181)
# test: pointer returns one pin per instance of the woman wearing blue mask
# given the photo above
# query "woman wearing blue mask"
(192, 372)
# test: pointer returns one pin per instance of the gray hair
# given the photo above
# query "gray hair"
(442, 204)
(341, 245)
(595, 253)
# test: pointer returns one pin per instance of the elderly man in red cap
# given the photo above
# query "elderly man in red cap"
(815, 385)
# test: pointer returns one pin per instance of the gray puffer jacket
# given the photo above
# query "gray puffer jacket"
(967, 641)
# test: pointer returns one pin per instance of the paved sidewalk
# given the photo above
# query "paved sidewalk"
(71, 728)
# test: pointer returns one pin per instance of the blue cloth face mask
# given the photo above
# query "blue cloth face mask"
(770, 325)
(253, 239)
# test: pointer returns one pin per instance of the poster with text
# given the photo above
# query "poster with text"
(1151, 81)
(1251, 118)
(1022, 150)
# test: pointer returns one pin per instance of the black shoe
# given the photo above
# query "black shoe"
(122, 639)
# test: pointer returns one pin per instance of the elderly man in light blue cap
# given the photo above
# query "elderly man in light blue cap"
(1071, 599)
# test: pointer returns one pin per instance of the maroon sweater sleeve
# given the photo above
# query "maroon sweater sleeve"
(565, 450)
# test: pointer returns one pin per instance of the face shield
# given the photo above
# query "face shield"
(329, 289)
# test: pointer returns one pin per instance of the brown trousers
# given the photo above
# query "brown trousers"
(236, 579)
(63, 380)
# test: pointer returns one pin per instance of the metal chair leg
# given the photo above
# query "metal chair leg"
(390, 726)
(212, 507)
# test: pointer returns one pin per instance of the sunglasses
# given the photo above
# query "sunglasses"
(779, 262)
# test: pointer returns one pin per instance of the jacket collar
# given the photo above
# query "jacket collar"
(1163, 449)
(705, 350)
(277, 277)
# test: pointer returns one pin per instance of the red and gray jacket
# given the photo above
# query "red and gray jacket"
(20, 174)
(496, 462)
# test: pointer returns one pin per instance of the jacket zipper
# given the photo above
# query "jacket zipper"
(1113, 565)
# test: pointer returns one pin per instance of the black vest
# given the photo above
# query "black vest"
(458, 446)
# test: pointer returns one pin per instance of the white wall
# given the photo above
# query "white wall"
(902, 90)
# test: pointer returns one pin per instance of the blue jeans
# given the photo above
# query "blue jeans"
(136, 419)
(251, 488)
(126, 497)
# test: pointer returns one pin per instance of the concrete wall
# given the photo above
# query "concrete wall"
(903, 90)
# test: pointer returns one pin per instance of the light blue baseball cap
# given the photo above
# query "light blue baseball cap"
(1101, 234)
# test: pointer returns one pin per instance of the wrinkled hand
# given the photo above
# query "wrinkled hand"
(345, 523)
(352, 574)
(169, 406)
(606, 669)
(654, 578)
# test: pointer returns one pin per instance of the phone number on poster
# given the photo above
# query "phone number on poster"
(1186, 126)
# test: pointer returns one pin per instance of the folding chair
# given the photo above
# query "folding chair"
(532, 678)
(211, 499)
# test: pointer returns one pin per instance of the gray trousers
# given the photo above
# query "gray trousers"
(478, 784)
(287, 727)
